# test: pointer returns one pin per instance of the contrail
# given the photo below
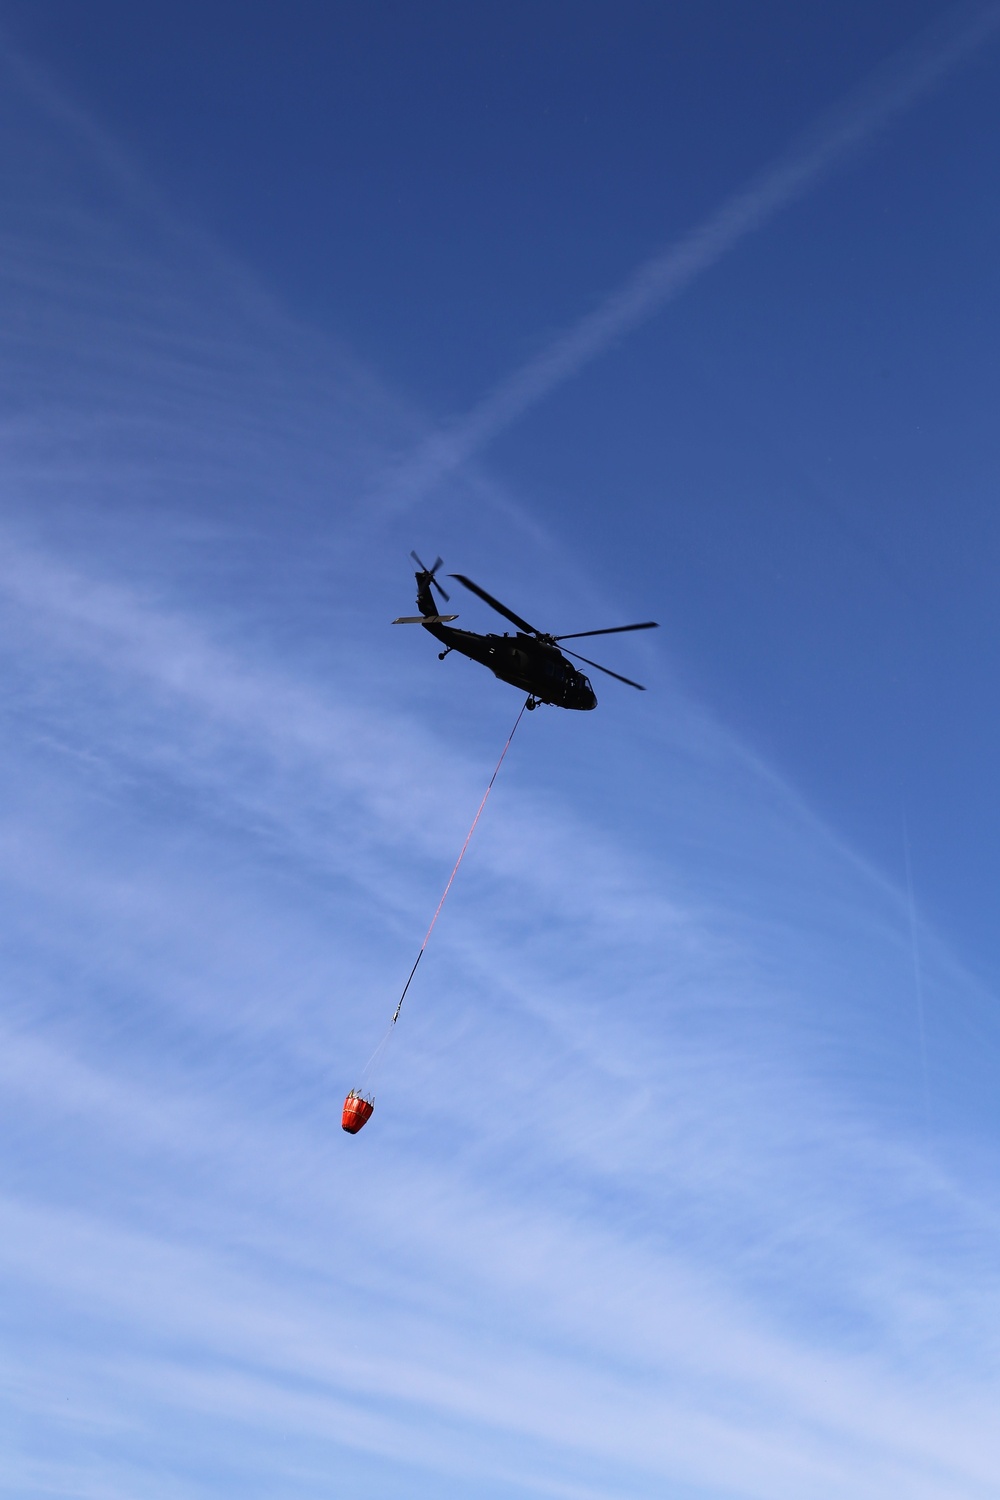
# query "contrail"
(912, 73)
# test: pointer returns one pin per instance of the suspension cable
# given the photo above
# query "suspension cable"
(444, 896)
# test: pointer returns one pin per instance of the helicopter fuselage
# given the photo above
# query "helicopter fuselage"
(535, 666)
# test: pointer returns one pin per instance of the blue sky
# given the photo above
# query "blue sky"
(682, 1175)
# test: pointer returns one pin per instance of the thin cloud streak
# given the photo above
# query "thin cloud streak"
(814, 1419)
(913, 73)
(347, 750)
(659, 1314)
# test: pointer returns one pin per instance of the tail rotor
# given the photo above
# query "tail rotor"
(431, 579)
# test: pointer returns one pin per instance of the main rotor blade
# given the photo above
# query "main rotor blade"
(611, 630)
(501, 609)
(605, 669)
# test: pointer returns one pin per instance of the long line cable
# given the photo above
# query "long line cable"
(370, 1065)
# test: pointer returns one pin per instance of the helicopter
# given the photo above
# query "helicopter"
(531, 660)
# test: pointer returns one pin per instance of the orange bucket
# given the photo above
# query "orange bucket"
(357, 1112)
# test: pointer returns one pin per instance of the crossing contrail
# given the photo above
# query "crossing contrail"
(908, 76)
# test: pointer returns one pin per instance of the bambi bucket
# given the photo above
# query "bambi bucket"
(357, 1112)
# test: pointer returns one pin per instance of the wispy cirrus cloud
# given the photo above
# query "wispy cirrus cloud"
(474, 1301)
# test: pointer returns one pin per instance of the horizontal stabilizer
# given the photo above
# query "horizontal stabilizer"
(424, 619)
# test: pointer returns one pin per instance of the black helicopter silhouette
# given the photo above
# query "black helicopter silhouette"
(531, 660)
